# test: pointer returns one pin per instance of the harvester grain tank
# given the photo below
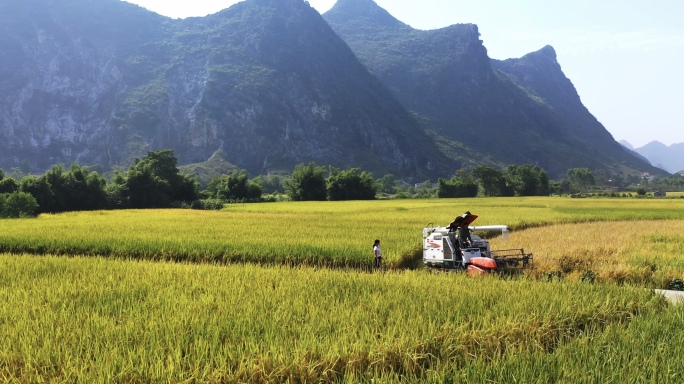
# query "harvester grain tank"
(457, 247)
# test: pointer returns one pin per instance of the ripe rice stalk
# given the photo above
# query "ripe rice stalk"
(167, 322)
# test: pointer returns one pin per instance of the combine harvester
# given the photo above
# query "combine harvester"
(454, 247)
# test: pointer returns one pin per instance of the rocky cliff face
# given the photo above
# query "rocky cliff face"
(62, 75)
(480, 111)
(266, 81)
(540, 74)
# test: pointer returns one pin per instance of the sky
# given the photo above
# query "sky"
(625, 57)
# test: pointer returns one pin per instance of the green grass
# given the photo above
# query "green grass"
(98, 320)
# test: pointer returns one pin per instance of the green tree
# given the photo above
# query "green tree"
(18, 204)
(86, 190)
(271, 183)
(143, 189)
(457, 187)
(40, 189)
(560, 187)
(581, 178)
(676, 182)
(116, 191)
(8, 185)
(155, 182)
(424, 190)
(75, 189)
(387, 184)
(307, 183)
(235, 186)
(352, 184)
(492, 181)
(97, 198)
(527, 180)
(58, 180)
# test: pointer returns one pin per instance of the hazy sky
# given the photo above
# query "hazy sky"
(625, 57)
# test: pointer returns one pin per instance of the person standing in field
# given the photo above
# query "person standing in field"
(378, 254)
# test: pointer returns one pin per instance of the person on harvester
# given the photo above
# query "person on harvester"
(464, 236)
(460, 224)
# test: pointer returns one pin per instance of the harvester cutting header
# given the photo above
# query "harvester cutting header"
(455, 247)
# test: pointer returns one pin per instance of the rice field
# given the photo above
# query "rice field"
(340, 234)
(253, 299)
(649, 253)
(100, 320)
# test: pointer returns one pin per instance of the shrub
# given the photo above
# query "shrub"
(18, 204)
(208, 204)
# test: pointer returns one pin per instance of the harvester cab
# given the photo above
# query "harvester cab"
(456, 246)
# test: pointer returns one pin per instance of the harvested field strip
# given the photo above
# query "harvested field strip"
(649, 253)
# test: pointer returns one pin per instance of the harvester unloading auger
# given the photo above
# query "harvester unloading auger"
(455, 247)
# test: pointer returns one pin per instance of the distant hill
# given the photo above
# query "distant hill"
(630, 148)
(626, 144)
(270, 84)
(669, 158)
(480, 110)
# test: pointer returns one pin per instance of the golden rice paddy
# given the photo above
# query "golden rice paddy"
(282, 292)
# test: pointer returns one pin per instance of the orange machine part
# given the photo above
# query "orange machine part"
(476, 271)
(483, 262)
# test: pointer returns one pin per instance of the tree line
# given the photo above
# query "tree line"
(155, 181)
(151, 182)
(525, 180)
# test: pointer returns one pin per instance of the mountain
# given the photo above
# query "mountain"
(630, 148)
(480, 111)
(669, 158)
(66, 66)
(626, 144)
(267, 82)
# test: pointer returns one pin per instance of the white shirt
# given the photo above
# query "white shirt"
(376, 250)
